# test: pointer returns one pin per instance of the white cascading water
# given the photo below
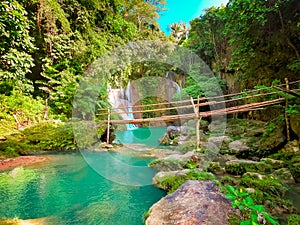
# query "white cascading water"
(122, 100)
(128, 94)
(121, 103)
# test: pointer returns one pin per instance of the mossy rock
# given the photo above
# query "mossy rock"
(291, 147)
(295, 170)
(262, 138)
(284, 175)
(276, 164)
(170, 181)
(177, 162)
(216, 168)
(265, 183)
(166, 180)
(167, 164)
(292, 160)
(239, 128)
(269, 113)
(229, 180)
(273, 138)
(239, 167)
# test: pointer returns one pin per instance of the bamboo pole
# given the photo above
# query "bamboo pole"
(230, 110)
(198, 122)
(162, 109)
(216, 97)
(190, 106)
(108, 125)
(196, 111)
(286, 114)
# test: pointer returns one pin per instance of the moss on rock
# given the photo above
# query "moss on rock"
(284, 175)
(265, 183)
(170, 181)
(276, 164)
(216, 168)
(239, 167)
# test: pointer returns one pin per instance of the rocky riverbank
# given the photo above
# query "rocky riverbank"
(253, 156)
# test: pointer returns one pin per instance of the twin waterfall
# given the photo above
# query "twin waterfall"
(125, 101)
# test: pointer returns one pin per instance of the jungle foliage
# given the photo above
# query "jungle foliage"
(249, 42)
(46, 46)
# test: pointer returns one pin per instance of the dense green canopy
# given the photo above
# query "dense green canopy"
(47, 45)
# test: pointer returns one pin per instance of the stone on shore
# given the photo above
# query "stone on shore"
(193, 203)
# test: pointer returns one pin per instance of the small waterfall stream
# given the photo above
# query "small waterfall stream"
(128, 95)
(118, 98)
(125, 99)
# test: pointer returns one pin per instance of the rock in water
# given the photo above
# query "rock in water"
(193, 203)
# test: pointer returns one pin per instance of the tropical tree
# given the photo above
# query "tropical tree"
(16, 47)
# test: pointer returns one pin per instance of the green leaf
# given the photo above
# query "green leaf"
(231, 189)
(270, 219)
(260, 208)
(231, 197)
(246, 222)
(254, 218)
(242, 194)
(235, 204)
(249, 200)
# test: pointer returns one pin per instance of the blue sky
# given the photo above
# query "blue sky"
(185, 10)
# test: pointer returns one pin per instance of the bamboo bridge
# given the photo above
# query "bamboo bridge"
(201, 107)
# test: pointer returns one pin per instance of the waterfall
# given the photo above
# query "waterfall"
(176, 86)
(118, 98)
(125, 98)
(173, 87)
(128, 94)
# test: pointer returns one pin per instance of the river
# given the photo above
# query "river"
(69, 191)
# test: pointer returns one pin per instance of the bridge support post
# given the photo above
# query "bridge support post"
(198, 120)
(287, 122)
(108, 126)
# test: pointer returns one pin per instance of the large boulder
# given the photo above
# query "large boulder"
(193, 203)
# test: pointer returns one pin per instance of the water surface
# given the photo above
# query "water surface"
(69, 191)
(147, 136)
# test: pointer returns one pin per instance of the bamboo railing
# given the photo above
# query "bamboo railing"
(202, 103)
